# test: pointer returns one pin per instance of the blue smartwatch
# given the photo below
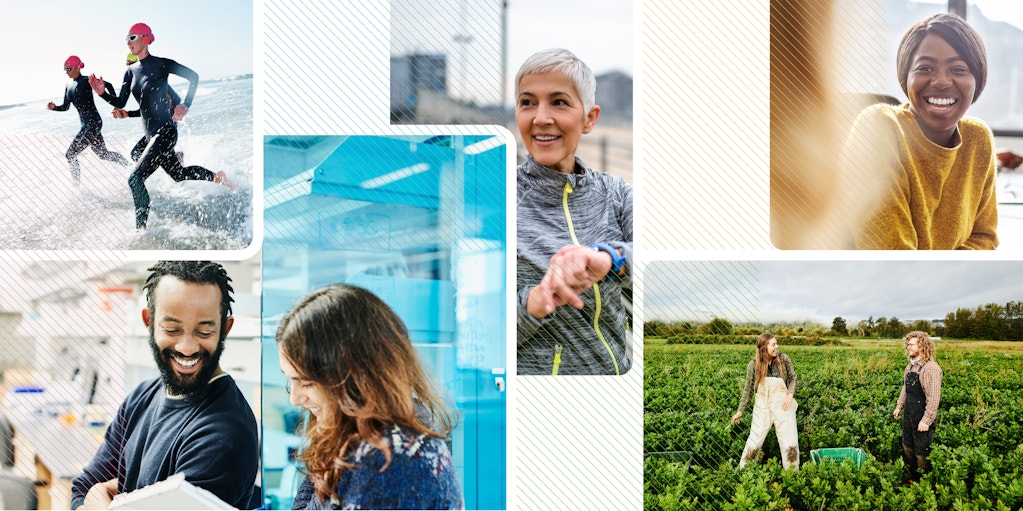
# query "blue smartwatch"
(617, 261)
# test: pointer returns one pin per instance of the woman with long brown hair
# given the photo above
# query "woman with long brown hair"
(376, 430)
(771, 374)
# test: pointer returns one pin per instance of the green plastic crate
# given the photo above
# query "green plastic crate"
(837, 454)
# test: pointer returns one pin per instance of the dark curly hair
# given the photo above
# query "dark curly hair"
(194, 272)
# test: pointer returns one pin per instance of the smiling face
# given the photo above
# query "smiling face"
(772, 347)
(186, 334)
(552, 118)
(941, 88)
(304, 392)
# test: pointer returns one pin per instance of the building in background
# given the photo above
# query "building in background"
(614, 95)
(411, 74)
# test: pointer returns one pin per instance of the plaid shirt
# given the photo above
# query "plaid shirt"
(930, 380)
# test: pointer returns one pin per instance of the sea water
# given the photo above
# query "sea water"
(40, 209)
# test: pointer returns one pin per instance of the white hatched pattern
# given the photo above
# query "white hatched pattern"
(704, 135)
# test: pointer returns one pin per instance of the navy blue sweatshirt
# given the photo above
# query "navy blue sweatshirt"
(212, 440)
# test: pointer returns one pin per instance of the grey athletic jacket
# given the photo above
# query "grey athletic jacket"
(600, 208)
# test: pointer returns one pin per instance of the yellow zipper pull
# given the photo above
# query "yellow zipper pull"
(557, 359)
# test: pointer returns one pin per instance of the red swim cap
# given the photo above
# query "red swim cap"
(74, 62)
(143, 30)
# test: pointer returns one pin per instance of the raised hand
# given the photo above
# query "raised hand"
(179, 112)
(96, 82)
(573, 270)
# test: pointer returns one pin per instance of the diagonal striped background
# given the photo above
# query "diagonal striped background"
(703, 134)
(814, 100)
(326, 67)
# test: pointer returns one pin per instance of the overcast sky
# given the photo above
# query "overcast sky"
(214, 38)
(1009, 11)
(742, 291)
(469, 31)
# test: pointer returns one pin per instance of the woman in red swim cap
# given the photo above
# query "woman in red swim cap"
(146, 81)
(90, 135)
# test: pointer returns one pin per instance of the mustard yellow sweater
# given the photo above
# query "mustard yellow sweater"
(910, 193)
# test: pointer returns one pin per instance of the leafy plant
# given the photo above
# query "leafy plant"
(846, 395)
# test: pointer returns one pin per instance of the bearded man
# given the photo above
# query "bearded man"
(193, 419)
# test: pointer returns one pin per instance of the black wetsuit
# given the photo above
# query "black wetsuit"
(140, 146)
(79, 93)
(146, 81)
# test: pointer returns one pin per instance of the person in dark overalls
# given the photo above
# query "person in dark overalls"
(921, 393)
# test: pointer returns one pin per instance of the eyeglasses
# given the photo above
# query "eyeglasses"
(132, 37)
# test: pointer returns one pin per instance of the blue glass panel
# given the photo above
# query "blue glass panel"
(420, 221)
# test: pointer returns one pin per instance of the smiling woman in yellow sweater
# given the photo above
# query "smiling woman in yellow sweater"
(921, 175)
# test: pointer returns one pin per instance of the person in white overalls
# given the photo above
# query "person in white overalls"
(772, 376)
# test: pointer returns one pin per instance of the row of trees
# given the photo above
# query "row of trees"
(883, 327)
(719, 326)
(990, 322)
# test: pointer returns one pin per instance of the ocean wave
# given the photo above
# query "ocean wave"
(41, 210)
(232, 78)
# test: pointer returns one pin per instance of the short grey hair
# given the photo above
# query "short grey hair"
(563, 61)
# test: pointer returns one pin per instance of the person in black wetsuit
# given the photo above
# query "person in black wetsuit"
(146, 81)
(118, 113)
(78, 93)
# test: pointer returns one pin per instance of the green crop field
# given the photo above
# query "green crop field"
(846, 396)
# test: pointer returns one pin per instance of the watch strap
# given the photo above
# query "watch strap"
(617, 261)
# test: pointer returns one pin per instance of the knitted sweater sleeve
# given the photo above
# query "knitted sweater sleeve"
(420, 476)
(306, 494)
(881, 217)
(984, 235)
